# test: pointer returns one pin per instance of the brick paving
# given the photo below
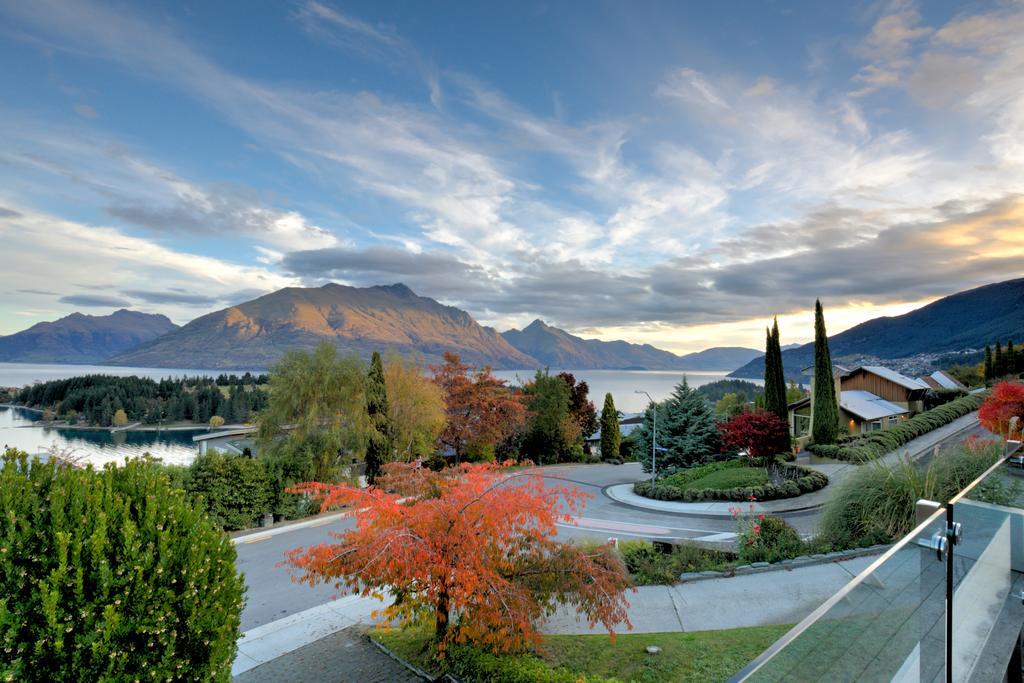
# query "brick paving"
(343, 657)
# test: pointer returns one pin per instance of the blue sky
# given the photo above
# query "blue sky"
(666, 172)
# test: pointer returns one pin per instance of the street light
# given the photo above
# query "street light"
(654, 431)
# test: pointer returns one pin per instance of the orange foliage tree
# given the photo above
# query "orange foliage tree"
(469, 547)
(1005, 402)
(480, 411)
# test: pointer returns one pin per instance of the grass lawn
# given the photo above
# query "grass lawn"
(697, 656)
(731, 478)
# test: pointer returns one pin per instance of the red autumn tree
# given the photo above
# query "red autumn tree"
(470, 547)
(480, 411)
(1004, 403)
(760, 433)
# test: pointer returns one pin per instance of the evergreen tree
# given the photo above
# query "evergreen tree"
(611, 437)
(378, 450)
(551, 433)
(1011, 359)
(774, 376)
(686, 429)
(825, 410)
(989, 369)
(998, 362)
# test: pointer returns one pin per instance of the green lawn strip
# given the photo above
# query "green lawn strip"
(695, 656)
(731, 478)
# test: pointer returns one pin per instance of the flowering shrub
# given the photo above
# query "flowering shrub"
(760, 433)
(111, 576)
(1005, 402)
(761, 538)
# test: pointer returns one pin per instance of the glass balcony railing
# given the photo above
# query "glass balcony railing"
(945, 603)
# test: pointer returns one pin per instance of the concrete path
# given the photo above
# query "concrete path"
(837, 471)
(340, 657)
(783, 596)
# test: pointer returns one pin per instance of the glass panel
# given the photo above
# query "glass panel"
(988, 566)
(887, 624)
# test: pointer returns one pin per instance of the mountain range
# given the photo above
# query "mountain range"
(258, 332)
(80, 338)
(557, 348)
(966, 320)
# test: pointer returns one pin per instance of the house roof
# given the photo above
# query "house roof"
(867, 406)
(945, 380)
(624, 431)
(836, 370)
(895, 377)
(800, 403)
(238, 431)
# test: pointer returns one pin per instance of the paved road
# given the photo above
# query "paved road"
(272, 595)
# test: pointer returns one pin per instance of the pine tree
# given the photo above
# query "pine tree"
(825, 411)
(686, 429)
(774, 376)
(611, 437)
(989, 369)
(1011, 359)
(378, 450)
(998, 362)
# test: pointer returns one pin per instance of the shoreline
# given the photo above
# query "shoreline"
(60, 424)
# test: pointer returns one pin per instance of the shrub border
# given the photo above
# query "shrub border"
(799, 480)
(871, 446)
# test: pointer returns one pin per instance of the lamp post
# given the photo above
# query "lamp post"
(654, 431)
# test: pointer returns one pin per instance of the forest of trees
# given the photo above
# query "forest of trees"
(96, 399)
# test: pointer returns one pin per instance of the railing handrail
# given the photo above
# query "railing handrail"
(822, 609)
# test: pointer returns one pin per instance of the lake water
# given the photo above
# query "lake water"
(20, 428)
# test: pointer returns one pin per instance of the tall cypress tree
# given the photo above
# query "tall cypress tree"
(989, 370)
(998, 362)
(611, 437)
(378, 450)
(774, 375)
(825, 410)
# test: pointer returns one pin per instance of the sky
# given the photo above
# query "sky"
(662, 172)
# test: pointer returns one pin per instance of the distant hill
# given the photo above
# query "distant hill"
(557, 348)
(80, 338)
(967, 320)
(258, 332)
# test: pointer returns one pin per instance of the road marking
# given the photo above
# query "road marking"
(323, 522)
(629, 528)
(247, 540)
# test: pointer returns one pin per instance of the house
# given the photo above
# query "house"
(871, 398)
(234, 440)
(887, 384)
(627, 423)
(940, 380)
(862, 411)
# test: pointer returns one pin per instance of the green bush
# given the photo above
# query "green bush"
(649, 566)
(234, 489)
(797, 480)
(111, 576)
(472, 664)
(768, 540)
(871, 446)
(876, 504)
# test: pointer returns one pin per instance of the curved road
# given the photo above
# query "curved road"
(272, 594)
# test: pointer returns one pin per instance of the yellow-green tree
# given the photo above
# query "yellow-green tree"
(120, 418)
(216, 421)
(415, 406)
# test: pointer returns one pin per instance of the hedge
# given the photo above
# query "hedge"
(798, 481)
(111, 575)
(876, 444)
(235, 490)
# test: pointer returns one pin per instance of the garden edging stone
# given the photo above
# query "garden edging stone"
(785, 565)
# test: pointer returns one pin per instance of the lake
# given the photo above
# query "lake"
(20, 428)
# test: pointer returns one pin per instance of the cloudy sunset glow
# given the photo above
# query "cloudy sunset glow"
(643, 171)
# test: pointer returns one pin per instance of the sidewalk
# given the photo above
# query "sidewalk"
(782, 596)
(836, 471)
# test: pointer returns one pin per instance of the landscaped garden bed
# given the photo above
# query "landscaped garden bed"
(877, 444)
(734, 480)
(696, 656)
